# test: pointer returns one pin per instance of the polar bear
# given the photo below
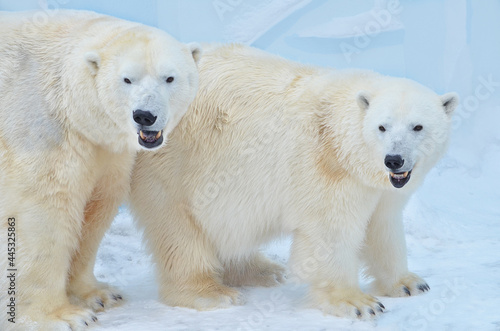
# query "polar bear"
(80, 94)
(270, 147)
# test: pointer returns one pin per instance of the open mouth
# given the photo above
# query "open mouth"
(150, 139)
(399, 179)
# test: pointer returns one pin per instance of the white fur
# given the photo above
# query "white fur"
(67, 146)
(270, 147)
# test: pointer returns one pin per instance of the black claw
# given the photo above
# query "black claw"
(381, 305)
(117, 297)
(87, 324)
(423, 287)
(99, 301)
(371, 312)
(380, 310)
(358, 313)
(94, 318)
(407, 291)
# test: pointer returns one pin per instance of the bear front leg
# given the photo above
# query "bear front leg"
(326, 256)
(46, 237)
(99, 214)
(385, 250)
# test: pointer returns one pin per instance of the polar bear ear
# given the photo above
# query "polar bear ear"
(363, 99)
(196, 51)
(450, 102)
(93, 61)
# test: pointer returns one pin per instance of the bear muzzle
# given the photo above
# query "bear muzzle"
(398, 177)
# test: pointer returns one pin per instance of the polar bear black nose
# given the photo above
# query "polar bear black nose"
(393, 162)
(144, 117)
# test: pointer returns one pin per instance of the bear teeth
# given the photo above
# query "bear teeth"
(399, 176)
(143, 137)
(158, 135)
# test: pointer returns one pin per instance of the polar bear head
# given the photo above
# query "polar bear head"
(146, 80)
(406, 128)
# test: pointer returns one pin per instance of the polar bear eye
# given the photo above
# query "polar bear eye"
(381, 128)
(418, 128)
(126, 80)
(170, 79)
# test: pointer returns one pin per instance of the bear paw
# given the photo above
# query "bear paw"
(101, 298)
(69, 318)
(272, 275)
(408, 285)
(206, 295)
(221, 298)
(350, 303)
(258, 272)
